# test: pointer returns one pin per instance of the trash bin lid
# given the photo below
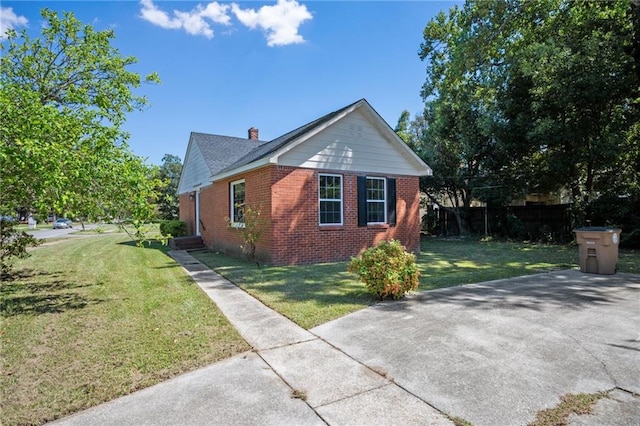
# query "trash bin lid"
(596, 229)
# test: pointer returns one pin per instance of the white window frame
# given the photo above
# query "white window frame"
(383, 201)
(341, 200)
(232, 185)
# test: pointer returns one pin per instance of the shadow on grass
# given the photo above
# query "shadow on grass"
(51, 303)
(22, 296)
(152, 244)
(443, 264)
(322, 284)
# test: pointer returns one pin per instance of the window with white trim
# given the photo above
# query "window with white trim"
(376, 200)
(237, 203)
(330, 196)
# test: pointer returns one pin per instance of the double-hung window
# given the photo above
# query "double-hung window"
(376, 200)
(237, 203)
(330, 195)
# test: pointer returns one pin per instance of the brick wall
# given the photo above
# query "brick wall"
(187, 213)
(215, 210)
(297, 238)
(288, 200)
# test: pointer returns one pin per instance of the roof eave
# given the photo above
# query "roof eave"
(182, 170)
(427, 172)
(242, 169)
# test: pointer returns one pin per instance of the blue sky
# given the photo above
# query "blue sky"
(226, 67)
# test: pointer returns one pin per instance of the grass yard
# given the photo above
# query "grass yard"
(309, 295)
(450, 262)
(86, 320)
(312, 295)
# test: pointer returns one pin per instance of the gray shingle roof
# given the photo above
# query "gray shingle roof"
(277, 143)
(226, 153)
(221, 151)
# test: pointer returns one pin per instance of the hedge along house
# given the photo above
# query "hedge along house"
(325, 191)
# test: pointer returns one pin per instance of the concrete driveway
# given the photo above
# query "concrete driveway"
(496, 353)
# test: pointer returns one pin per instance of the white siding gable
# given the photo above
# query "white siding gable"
(195, 172)
(355, 143)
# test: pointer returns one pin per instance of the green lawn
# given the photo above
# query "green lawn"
(446, 263)
(309, 295)
(89, 319)
(313, 295)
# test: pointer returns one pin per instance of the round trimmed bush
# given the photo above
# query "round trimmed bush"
(387, 269)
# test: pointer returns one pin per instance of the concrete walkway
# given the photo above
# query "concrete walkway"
(292, 377)
(491, 353)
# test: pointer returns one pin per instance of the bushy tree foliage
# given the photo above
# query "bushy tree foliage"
(460, 109)
(13, 245)
(531, 96)
(572, 83)
(169, 174)
(64, 97)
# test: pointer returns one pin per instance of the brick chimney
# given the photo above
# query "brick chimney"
(253, 134)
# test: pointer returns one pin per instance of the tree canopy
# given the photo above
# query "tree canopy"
(169, 174)
(531, 97)
(64, 97)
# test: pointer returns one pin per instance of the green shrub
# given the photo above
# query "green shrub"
(387, 269)
(13, 245)
(173, 228)
(250, 230)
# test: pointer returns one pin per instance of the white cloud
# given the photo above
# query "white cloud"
(192, 22)
(217, 13)
(158, 17)
(281, 21)
(9, 20)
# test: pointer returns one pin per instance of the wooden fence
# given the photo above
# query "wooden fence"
(551, 222)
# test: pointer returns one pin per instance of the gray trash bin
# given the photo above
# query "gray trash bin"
(598, 249)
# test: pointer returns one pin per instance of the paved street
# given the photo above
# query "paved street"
(45, 231)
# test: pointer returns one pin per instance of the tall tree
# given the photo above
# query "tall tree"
(63, 99)
(532, 96)
(572, 80)
(459, 108)
(169, 174)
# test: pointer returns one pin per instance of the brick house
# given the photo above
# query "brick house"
(326, 190)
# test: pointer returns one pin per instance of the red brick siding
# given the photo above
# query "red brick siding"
(187, 213)
(288, 200)
(215, 209)
(297, 236)
(208, 203)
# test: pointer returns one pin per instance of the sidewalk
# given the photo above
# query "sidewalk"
(339, 389)
(291, 377)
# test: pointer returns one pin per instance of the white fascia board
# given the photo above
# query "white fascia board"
(184, 163)
(247, 167)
